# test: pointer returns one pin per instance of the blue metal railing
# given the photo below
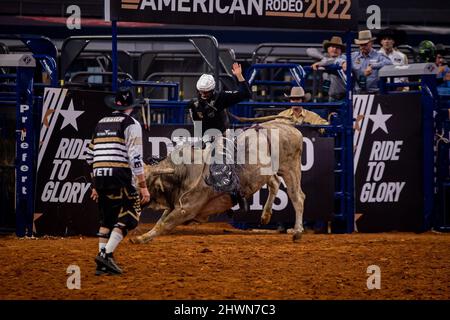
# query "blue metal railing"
(342, 133)
(297, 72)
(173, 87)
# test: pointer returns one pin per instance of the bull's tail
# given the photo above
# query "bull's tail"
(259, 119)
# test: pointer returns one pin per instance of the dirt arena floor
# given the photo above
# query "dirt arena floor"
(215, 261)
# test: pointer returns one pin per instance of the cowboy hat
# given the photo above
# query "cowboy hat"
(122, 100)
(298, 92)
(364, 37)
(334, 41)
(399, 36)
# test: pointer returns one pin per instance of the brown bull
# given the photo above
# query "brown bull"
(182, 192)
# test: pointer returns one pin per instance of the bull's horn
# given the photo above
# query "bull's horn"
(162, 171)
(259, 119)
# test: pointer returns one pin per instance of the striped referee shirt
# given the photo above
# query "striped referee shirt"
(115, 151)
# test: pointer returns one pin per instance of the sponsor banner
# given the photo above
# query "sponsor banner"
(24, 153)
(63, 188)
(293, 14)
(388, 162)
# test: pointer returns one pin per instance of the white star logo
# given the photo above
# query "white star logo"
(70, 116)
(379, 120)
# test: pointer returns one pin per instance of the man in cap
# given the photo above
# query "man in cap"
(366, 63)
(297, 113)
(209, 109)
(115, 158)
(332, 81)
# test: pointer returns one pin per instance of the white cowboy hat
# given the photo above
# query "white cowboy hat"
(298, 92)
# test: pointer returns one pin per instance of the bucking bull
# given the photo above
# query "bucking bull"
(182, 191)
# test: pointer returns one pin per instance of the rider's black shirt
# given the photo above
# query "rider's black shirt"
(212, 112)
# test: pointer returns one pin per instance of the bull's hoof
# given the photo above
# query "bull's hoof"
(265, 219)
(138, 240)
(297, 236)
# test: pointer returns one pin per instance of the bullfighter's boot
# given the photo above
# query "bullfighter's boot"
(106, 260)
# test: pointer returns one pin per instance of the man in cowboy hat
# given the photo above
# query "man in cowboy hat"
(389, 39)
(332, 81)
(115, 158)
(297, 113)
(366, 63)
